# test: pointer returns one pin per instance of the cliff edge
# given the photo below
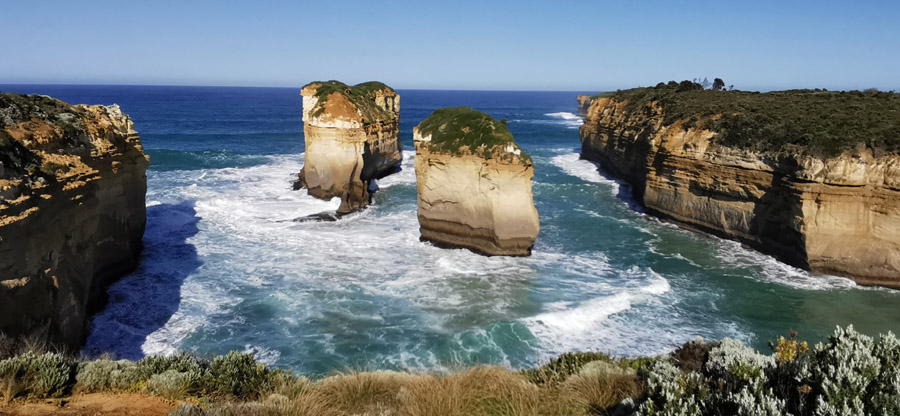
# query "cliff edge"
(811, 177)
(352, 137)
(474, 184)
(72, 212)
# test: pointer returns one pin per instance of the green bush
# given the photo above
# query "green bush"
(157, 364)
(819, 122)
(851, 374)
(103, 375)
(40, 375)
(562, 367)
(453, 128)
(173, 384)
(238, 374)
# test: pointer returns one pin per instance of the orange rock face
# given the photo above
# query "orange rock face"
(72, 212)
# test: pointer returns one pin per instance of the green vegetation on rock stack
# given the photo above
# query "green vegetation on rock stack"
(452, 128)
(361, 95)
(819, 122)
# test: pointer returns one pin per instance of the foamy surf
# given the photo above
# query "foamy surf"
(572, 164)
(585, 325)
(570, 120)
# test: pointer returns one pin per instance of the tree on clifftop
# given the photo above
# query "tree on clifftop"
(718, 84)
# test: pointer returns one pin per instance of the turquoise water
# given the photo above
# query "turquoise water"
(225, 268)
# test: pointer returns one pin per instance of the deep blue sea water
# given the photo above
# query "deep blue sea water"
(224, 268)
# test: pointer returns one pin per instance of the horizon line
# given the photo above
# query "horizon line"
(408, 89)
(280, 87)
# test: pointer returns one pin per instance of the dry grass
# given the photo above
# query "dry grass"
(478, 391)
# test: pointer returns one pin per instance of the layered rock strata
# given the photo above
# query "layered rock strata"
(352, 137)
(584, 102)
(72, 212)
(834, 215)
(474, 184)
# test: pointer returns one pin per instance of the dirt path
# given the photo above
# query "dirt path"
(93, 404)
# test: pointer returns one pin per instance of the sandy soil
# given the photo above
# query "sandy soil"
(93, 404)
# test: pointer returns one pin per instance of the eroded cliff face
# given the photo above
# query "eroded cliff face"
(72, 212)
(584, 102)
(352, 137)
(838, 215)
(480, 199)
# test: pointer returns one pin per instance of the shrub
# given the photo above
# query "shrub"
(820, 123)
(238, 374)
(562, 367)
(844, 369)
(157, 364)
(884, 394)
(126, 377)
(104, 374)
(691, 356)
(41, 375)
(672, 393)
(173, 384)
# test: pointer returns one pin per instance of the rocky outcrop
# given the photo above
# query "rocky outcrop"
(835, 215)
(72, 212)
(584, 102)
(352, 137)
(474, 184)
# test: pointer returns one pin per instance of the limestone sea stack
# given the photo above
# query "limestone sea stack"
(474, 184)
(811, 177)
(352, 137)
(72, 212)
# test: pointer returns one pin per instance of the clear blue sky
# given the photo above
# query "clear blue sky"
(547, 45)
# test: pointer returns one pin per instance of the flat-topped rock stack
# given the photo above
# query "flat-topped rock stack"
(474, 184)
(352, 137)
(72, 212)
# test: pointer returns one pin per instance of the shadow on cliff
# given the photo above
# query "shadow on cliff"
(144, 301)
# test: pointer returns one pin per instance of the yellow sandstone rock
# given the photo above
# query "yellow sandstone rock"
(474, 184)
(352, 137)
(837, 215)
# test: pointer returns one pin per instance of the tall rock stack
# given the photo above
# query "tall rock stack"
(352, 137)
(72, 212)
(474, 184)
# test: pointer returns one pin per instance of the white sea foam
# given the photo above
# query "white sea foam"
(568, 119)
(588, 324)
(572, 164)
(775, 271)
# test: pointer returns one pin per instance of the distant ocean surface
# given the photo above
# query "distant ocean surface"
(224, 267)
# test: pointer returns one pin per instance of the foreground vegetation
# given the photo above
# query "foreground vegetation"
(851, 374)
(824, 123)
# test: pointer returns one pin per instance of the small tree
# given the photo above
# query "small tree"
(718, 84)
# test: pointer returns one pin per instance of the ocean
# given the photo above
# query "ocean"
(225, 267)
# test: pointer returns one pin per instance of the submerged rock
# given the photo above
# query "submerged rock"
(474, 184)
(352, 137)
(835, 214)
(72, 212)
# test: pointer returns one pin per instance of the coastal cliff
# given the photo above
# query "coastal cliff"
(584, 102)
(72, 212)
(352, 137)
(474, 184)
(811, 177)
